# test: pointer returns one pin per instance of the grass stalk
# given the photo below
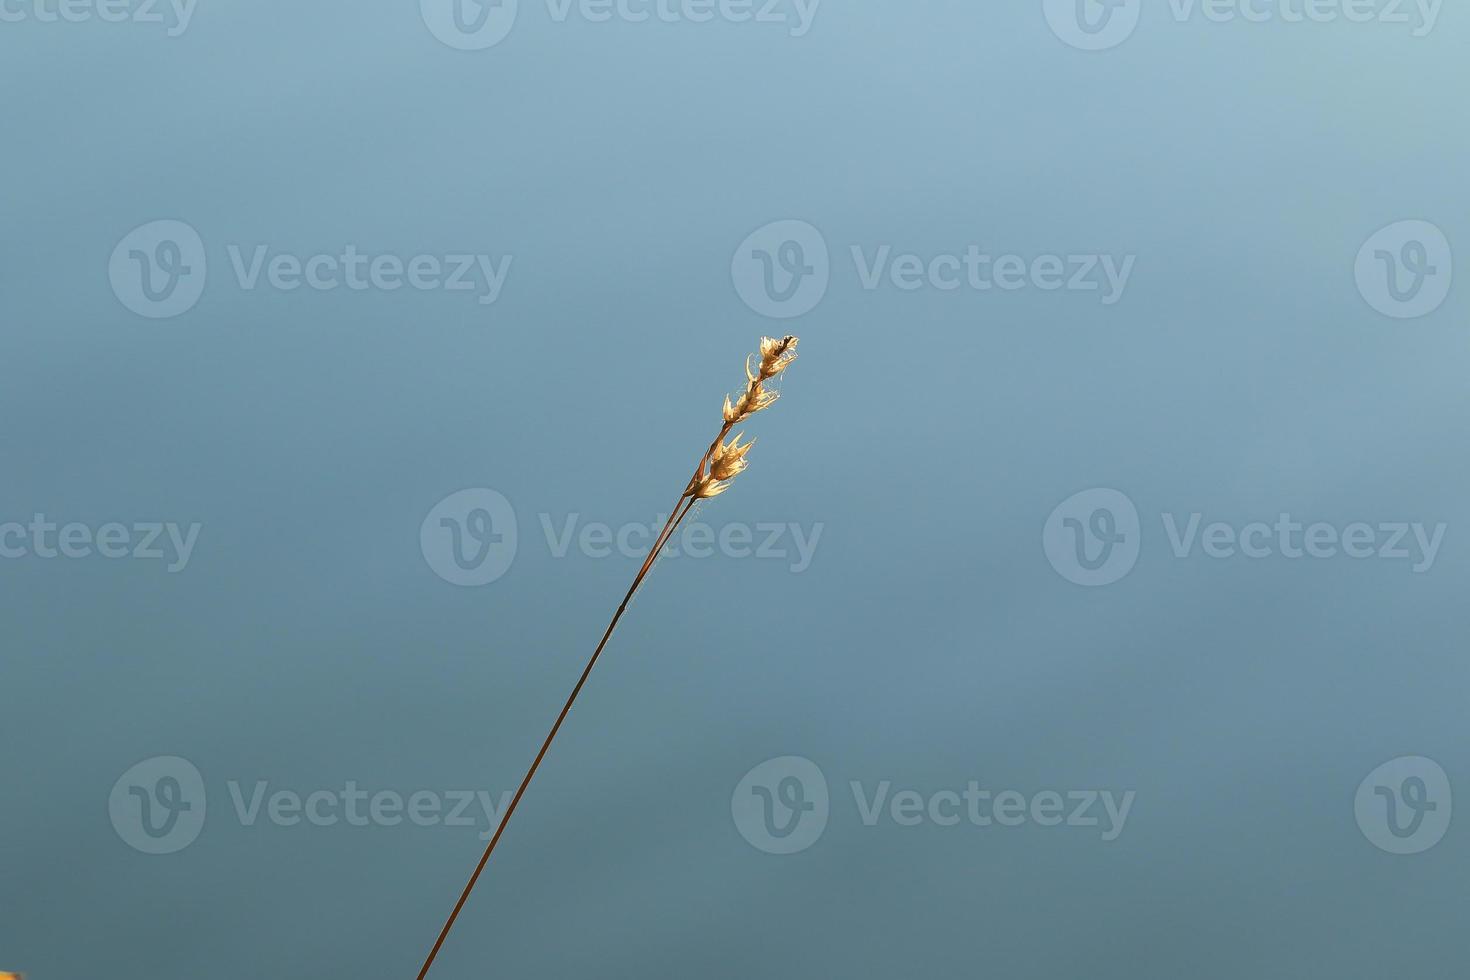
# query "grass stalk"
(721, 463)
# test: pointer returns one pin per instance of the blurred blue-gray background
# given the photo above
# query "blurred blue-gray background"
(1035, 252)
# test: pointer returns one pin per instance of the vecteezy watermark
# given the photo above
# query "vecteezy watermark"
(783, 806)
(1096, 25)
(40, 538)
(473, 25)
(477, 273)
(471, 538)
(470, 25)
(1409, 541)
(174, 16)
(783, 269)
(158, 270)
(158, 806)
(765, 540)
(1094, 538)
(1093, 25)
(1405, 270)
(981, 271)
(1404, 806)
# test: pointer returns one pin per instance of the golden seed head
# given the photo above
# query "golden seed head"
(776, 355)
(708, 487)
(754, 399)
(728, 460)
(759, 399)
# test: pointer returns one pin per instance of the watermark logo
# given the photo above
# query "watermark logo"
(1093, 25)
(158, 805)
(1411, 541)
(782, 269)
(1403, 806)
(787, 541)
(355, 270)
(796, 15)
(985, 808)
(1093, 538)
(982, 271)
(781, 806)
(1421, 14)
(470, 537)
(174, 15)
(473, 25)
(1405, 270)
(143, 541)
(1097, 25)
(470, 25)
(158, 269)
(353, 806)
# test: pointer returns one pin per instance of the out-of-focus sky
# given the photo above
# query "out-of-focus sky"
(1093, 604)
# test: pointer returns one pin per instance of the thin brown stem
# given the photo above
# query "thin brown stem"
(681, 510)
(776, 354)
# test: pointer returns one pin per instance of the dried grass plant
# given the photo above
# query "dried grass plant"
(724, 460)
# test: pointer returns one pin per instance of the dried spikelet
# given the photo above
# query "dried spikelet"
(708, 487)
(753, 399)
(728, 459)
(776, 355)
